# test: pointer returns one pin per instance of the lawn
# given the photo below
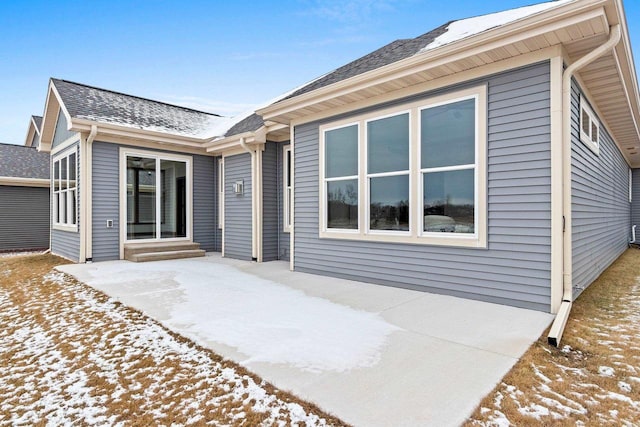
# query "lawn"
(71, 355)
(594, 377)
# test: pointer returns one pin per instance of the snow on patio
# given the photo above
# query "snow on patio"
(262, 319)
(69, 355)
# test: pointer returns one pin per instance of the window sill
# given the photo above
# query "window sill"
(68, 228)
(461, 241)
(590, 144)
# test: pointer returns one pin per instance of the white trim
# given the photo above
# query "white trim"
(324, 228)
(587, 137)
(415, 235)
(25, 182)
(556, 70)
(221, 193)
(55, 209)
(65, 144)
(158, 156)
(292, 131)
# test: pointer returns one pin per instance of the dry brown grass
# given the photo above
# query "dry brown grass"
(594, 378)
(69, 354)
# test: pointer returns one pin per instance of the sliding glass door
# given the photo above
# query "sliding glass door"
(157, 189)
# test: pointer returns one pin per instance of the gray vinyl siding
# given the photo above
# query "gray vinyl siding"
(106, 201)
(284, 237)
(635, 205)
(205, 210)
(67, 243)
(601, 212)
(515, 268)
(24, 218)
(35, 141)
(61, 133)
(237, 207)
(270, 202)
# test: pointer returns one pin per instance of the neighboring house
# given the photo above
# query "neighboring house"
(488, 159)
(24, 196)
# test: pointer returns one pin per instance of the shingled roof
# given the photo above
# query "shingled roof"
(106, 106)
(38, 122)
(18, 161)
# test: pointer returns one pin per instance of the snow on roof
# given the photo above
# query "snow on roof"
(464, 28)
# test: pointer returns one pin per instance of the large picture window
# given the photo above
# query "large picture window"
(414, 174)
(157, 197)
(65, 190)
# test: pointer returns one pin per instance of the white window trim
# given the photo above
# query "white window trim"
(287, 190)
(221, 193)
(331, 232)
(585, 137)
(158, 156)
(415, 235)
(64, 226)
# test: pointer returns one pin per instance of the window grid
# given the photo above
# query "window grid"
(65, 190)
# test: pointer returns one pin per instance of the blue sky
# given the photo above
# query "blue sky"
(220, 56)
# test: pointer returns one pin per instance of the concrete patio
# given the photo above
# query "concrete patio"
(372, 355)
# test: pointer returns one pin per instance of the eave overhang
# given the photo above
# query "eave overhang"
(575, 28)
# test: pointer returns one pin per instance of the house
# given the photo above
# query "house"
(490, 158)
(24, 194)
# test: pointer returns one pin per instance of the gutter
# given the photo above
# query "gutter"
(89, 192)
(560, 322)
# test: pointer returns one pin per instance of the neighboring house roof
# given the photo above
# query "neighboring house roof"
(38, 122)
(18, 161)
(105, 106)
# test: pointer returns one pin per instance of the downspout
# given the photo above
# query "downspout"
(89, 193)
(560, 322)
(254, 209)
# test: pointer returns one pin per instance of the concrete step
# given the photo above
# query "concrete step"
(165, 255)
(131, 249)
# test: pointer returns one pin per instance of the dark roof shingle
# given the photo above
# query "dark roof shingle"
(18, 161)
(105, 106)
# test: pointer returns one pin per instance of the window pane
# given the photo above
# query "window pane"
(388, 144)
(448, 134)
(63, 173)
(341, 152)
(389, 203)
(72, 211)
(56, 203)
(449, 201)
(173, 198)
(594, 132)
(585, 121)
(56, 176)
(342, 200)
(72, 170)
(62, 208)
(141, 198)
